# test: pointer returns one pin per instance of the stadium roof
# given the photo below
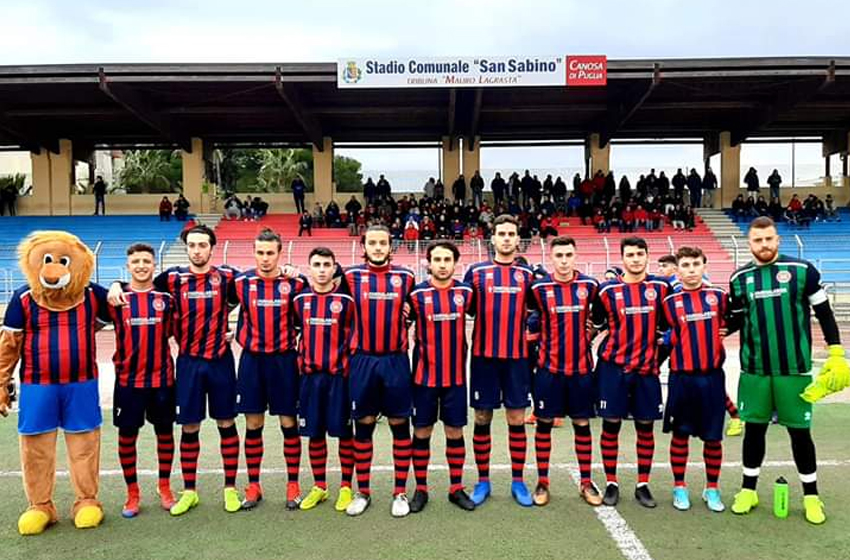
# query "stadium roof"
(119, 105)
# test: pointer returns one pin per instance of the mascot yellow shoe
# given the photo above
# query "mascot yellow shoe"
(33, 522)
(88, 517)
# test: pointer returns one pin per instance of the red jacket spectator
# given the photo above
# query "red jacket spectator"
(628, 216)
(641, 215)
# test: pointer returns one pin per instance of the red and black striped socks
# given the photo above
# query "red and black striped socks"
(610, 444)
(481, 446)
(346, 461)
(712, 454)
(679, 458)
(402, 451)
(584, 450)
(164, 453)
(455, 457)
(645, 446)
(319, 461)
(190, 449)
(543, 450)
(731, 408)
(421, 458)
(127, 456)
(517, 448)
(229, 454)
(254, 453)
(363, 455)
(291, 452)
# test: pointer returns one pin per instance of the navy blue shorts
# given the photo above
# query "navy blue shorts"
(622, 394)
(496, 381)
(557, 395)
(447, 403)
(267, 382)
(696, 404)
(380, 384)
(74, 407)
(199, 380)
(324, 406)
(131, 405)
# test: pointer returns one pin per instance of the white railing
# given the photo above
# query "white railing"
(735, 255)
(799, 246)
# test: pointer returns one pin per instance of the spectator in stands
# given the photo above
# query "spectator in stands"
(498, 186)
(679, 217)
(651, 183)
(384, 189)
(370, 191)
(318, 215)
(8, 199)
(609, 191)
(762, 209)
(233, 208)
(165, 208)
(751, 179)
(396, 232)
(576, 182)
(642, 218)
(305, 223)
(181, 208)
(439, 190)
(679, 181)
(813, 208)
(775, 209)
(601, 222)
(830, 212)
(573, 204)
(352, 208)
(459, 188)
(750, 208)
(428, 189)
(585, 211)
(709, 184)
(739, 208)
(427, 229)
(298, 191)
(259, 207)
(794, 212)
(690, 218)
(625, 189)
(548, 227)
(476, 184)
(411, 231)
(774, 181)
(99, 191)
(695, 188)
(627, 220)
(662, 185)
(656, 218)
(457, 230)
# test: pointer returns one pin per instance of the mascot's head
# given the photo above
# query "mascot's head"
(57, 265)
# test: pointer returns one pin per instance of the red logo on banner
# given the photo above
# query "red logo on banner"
(587, 70)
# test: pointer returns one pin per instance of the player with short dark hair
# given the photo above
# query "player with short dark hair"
(697, 385)
(771, 301)
(144, 374)
(325, 317)
(380, 379)
(500, 374)
(629, 309)
(268, 366)
(563, 383)
(203, 295)
(438, 307)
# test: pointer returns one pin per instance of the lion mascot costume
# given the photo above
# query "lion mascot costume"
(50, 327)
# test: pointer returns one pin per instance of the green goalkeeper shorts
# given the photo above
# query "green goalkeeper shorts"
(760, 395)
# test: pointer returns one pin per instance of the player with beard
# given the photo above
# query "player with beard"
(629, 309)
(268, 366)
(380, 379)
(438, 307)
(500, 374)
(771, 301)
(204, 295)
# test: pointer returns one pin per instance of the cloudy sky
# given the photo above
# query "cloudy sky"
(98, 31)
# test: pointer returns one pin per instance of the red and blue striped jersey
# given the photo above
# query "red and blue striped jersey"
(327, 327)
(501, 295)
(142, 328)
(265, 312)
(202, 304)
(695, 318)
(633, 316)
(565, 343)
(59, 346)
(379, 296)
(439, 356)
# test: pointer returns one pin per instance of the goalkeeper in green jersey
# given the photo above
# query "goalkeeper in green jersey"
(771, 300)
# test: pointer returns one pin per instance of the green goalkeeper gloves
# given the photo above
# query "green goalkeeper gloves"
(834, 376)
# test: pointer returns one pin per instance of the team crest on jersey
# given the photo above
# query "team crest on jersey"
(618, 295)
(679, 305)
(710, 300)
(215, 280)
(458, 299)
(158, 305)
(519, 277)
(429, 299)
(396, 281)
(364, 279)
(307, 306)
(252, 288)
(284, 289)
(650, 294)
(581, 293)
(489, 276)
(336, 307)
(783, 276)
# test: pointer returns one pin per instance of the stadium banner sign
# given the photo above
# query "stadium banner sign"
(467, 71)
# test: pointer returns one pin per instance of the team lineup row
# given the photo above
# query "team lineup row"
(328, 354)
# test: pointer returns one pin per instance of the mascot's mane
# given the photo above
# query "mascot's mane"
(82, 260)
